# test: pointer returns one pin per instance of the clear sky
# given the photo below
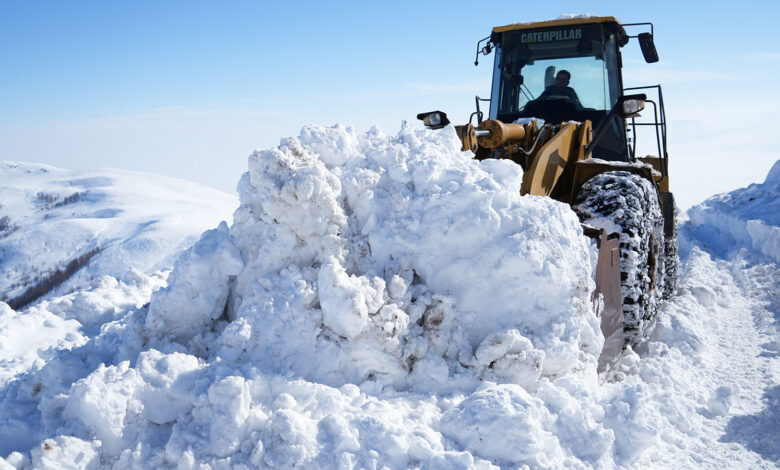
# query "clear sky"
(190, 88)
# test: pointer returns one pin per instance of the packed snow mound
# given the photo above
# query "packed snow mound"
(369, 259)
(744, 218)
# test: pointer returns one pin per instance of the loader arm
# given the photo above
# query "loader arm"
(547, 155)
(566, 146)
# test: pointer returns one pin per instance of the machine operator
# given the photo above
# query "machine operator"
(561, 88)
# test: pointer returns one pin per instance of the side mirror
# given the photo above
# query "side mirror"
(630, 105)
(648, 47)
(434, 119)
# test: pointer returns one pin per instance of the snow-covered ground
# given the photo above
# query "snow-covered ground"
(377, 302)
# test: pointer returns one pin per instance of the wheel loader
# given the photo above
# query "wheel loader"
(558, 108)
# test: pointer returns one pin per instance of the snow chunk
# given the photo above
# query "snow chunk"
(347, 301)
(198, 287)
(511, 356)
(170, 380)
(102, 402)
(66, 453)
(504, 423)
(507, 423)
(217, 424)
(226, 410)
(721, 400)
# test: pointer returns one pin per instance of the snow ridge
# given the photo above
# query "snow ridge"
(745, 218)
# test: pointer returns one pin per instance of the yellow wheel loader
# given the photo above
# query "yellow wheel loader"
(558, 109)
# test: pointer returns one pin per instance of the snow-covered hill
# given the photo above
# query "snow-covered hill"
(382, 301)
(118, 219)
(81, 247)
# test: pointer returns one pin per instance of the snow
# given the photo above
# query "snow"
(745, 218)
(136, 221)
(327, 233)
(565, 16)
(199, 283)
(378, 302)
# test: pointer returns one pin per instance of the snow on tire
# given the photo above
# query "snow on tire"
(672, 263)
(626, 203)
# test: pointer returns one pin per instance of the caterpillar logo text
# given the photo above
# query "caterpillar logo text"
(557, 35)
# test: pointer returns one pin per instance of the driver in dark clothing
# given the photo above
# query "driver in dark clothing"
(561, 88)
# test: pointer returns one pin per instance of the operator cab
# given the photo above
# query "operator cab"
(529, 57)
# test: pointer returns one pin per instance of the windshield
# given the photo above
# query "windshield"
(586, 63)
(528, 63)
(587, 78)
(584, 85)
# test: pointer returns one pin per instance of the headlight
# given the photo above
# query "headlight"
(434, 119)
(632, 107)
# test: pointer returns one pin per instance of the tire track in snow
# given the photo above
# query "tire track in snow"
(708, 365)
(757, 429)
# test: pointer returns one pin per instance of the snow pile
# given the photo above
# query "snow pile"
(745, 218)
(360, 271)
(386, 302)
(398, 261)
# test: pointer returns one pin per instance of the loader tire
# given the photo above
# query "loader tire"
(626, 203)
(671, 264)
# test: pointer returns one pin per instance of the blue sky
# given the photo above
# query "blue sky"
(190, 88)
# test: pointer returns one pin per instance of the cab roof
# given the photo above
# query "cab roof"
(561, 22)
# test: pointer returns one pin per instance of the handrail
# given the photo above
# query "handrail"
(659, 121)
